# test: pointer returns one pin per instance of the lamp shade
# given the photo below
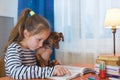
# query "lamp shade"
(112, 18)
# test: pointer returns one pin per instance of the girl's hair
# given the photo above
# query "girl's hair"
(33, 23)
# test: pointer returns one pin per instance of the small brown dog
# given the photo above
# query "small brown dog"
(53, 40)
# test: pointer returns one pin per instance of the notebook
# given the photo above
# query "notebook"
(75, 72)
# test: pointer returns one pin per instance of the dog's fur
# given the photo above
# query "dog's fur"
(52, 41)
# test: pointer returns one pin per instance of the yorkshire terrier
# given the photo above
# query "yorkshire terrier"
(52, 41)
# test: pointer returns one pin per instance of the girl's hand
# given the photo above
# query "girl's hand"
(61, 71)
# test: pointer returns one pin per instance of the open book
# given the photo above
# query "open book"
(75, 72)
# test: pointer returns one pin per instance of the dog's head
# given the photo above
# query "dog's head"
(54, 39)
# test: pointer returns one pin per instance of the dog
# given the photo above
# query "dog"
(52, 41)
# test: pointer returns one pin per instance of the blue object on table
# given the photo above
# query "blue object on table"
(91, 78)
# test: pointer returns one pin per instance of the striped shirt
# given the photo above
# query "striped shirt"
(21, 64)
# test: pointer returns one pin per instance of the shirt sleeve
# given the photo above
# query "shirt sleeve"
(15, 69)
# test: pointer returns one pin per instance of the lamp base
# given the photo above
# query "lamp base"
(114, 31)
(113, 60)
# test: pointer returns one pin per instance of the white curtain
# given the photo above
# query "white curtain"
(82, 24)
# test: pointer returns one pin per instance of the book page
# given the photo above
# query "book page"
(75, 72)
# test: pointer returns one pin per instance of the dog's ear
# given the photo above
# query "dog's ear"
(61, 35)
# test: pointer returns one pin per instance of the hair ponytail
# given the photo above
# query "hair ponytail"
(17, 31)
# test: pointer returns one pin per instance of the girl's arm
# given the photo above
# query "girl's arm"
(15, 69)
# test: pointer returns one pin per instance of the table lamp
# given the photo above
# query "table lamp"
(112, 20)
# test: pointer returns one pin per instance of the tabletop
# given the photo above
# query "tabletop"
(84, 77)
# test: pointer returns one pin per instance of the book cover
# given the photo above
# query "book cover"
(109, 57)
(109, 62)
(75, 72)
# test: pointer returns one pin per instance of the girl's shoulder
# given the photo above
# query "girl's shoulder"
(14, 45)
(13, 48)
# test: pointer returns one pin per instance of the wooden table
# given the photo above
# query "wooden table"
(78, 78)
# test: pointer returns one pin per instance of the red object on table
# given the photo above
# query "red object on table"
(102, 74)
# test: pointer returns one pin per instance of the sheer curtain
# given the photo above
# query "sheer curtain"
(82, 24)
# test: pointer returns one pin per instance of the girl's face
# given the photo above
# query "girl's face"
(35, 41)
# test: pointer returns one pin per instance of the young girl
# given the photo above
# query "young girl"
(25, 39)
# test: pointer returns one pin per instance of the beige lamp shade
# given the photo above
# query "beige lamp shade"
(112, 19)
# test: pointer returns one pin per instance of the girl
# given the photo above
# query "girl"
(25, 39)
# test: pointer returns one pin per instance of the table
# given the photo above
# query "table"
(78, 78)
(85, 77)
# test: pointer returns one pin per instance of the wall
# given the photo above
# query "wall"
(9, 8)
(8, 18)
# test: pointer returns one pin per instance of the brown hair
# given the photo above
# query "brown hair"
(33, 23)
